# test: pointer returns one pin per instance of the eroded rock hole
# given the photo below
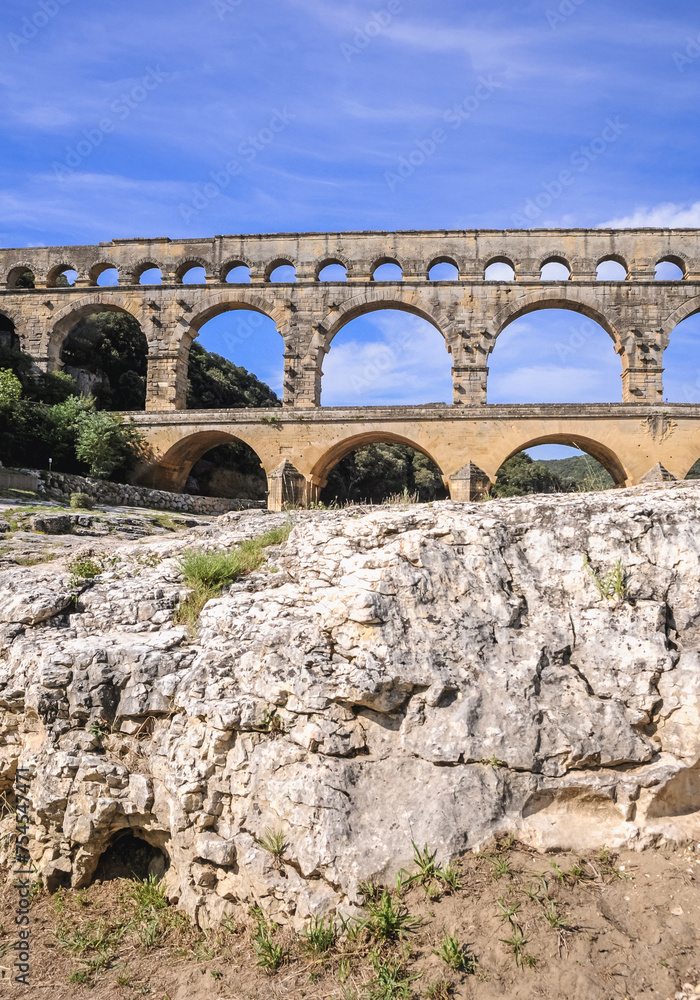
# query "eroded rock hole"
(129, 856)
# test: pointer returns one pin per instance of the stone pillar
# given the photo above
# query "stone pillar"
(286, 487)
(469, 384)
(659, 474)
(307, 383)
(642, 384)
(166, 382)
(470, 483)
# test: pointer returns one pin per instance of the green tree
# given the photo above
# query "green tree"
(10, 389)
(112, 346)
(217, 384)
(379, 470)
(106, 444)
(519, 475)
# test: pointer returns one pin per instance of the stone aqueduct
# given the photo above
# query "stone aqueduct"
(299, 444)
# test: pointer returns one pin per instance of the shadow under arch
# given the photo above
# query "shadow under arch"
(340, 449)
(600, 452)
(64, 323)
(171, 471)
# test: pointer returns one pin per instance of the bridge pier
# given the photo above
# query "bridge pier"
(287, 487)
(470, 483)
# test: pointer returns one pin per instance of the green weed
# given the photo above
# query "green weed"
(320, 937)
(391, 982)
(612, 586)
(387, 922)
(274, 842)
(455, 955)
(440, 989)
(270, 955)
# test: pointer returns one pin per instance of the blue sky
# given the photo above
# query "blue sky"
(189, 88)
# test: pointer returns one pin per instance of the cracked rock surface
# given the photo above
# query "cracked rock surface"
(442, 673)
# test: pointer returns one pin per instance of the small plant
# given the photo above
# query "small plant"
(553, 918)
(270, 955)
(83, 568)
(370, 890)
(274, 842)
(455, 955)
(215, 974)
(99, 732)
(440, 989)
(613, 586)
(270, 420)
(81, 501)
(391, 982)
(387, 922)
(494, 761)
(507, 911)
(271, 723)
(320, 937)
(501, 866)
(516, 942)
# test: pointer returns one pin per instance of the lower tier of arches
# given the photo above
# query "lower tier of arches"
(632, 442)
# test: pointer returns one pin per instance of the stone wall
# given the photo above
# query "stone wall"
(60, 485)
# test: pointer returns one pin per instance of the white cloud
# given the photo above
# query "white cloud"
(667, 215)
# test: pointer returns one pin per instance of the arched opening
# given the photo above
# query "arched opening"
(682, 362)
(21, 277)
(333, 271)
(129, 856)
(669, 269)
(108, 277)
(611, 269)
(152, 275)
(554, 355)
(282, 272)
(212, 463)
(236, 361)
(558, 464)
(236, 274)
(387, 270)
(387, 357)
(62, 276)
(106, 353)
(500, 270)
(376, 470)
(8, 336)
(444, 269)
(193, 275)
(555, 269)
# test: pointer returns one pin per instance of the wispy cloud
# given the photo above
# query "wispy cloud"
(668, 215)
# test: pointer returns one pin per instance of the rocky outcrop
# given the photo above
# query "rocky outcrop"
(442, 673)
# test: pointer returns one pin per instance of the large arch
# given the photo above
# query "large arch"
(553, 299)
(340, 449)
(602, 453)
(372, 299)
(67, 318)
(170, 472)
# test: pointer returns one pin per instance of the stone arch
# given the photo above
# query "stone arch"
(56, 271)
(170, 472)
(66, 319)
(558, 257)
(688, 308)
(334, 258)
(442, 259)
(554, 299)
(372, 299)
(229, 299)
(231, 263)
(145, 264)
(499, 258)
(187, 264)
(340, 449)
(272, 266)
(99, 267)
(602, 453)
(384, 259)
(675, 257)
(615, 257)
(9, 334)
(16, 272)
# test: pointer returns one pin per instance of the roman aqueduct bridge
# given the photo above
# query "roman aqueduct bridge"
(299, 444)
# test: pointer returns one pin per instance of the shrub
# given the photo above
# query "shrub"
(81, 501)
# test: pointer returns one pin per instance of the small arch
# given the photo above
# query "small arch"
(237, 274)
(341, 449)
(387, 269)
(145, 268)
(174, 468)
(8, 333)
(332, 270)
(612, 268)
(67, 272)
(21, 276)
(601, 453)
(443, 269)
(281, 270)
(670, 268)
(192, 271)
(555, 268)
(151, 276)
(104, 274)
(499, 269)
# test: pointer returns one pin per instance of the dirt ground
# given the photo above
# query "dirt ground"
(525, 926)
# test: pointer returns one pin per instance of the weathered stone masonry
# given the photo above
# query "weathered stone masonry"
(639, 314)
